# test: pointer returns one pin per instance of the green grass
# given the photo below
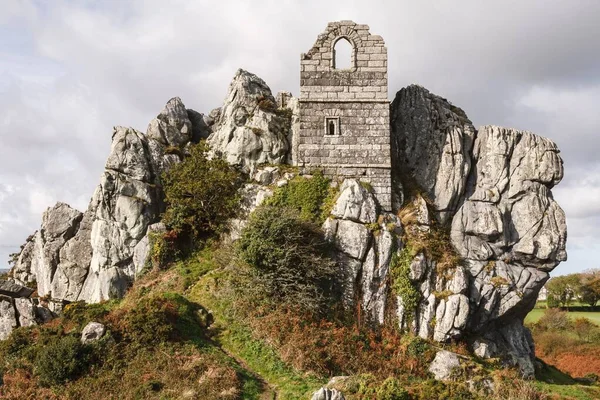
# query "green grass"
(536, 314)
(236, 339)
(555, 382)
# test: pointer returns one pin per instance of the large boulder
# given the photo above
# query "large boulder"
(327, 394)
(8, 317)
(492, 189)
(249, 130)
(431, 144)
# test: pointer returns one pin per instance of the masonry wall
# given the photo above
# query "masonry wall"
(357, 98)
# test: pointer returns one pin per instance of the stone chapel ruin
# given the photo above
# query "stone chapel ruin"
(345, 113)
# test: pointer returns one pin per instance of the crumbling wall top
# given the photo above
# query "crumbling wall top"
(369, 52)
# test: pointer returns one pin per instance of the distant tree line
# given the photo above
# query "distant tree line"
(582, 287)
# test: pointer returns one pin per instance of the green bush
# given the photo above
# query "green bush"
(81, 313)
(60, 360)
(201, 193)
(160, 318)
(554, 320)
(312, 197)
(17, 343)
(288, 256)
(163, 248)
(391, 389)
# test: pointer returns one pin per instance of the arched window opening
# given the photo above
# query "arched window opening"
(342, 54)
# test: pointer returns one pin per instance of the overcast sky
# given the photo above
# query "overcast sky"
(70, 70)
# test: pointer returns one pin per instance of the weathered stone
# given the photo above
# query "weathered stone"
(451, 317)
(248, 131)
(200, 127)
(355, 203)
(92, 332)
(12, 289)
(267, 175)
(349, 269)
(444, 364)
(141, 251)
(75, 257)
(327, 394)
(432, 141)
(352, 238)
(26, 311)
(172, 126)
(8, 317)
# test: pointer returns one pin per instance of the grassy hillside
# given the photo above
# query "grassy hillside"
(160, 345)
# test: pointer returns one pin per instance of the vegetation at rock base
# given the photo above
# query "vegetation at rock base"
(201, 193)
(401, 284)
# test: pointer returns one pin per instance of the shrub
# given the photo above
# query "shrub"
(60, 360)
(152, 321)
(391, 389)
(288, 256)
(159, 318)
(553, 343)
(81, 313)
(163, 248)
(584, 328)
(201, 193)
(312, 197)
(554, 320)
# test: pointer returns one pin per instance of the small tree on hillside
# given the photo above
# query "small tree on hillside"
(201, 193)
(563, 289)
(589, 289)
(289, 258)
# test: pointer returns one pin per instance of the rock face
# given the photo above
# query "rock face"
(431, 144)
(249, 130)
(492, 188)
(17, 309)
(364, 247)
(90, 256)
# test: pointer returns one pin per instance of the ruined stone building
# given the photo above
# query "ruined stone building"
(345, 113)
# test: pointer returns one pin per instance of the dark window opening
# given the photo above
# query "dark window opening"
(332, 126)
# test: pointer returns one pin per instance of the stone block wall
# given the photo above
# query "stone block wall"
(344, 113)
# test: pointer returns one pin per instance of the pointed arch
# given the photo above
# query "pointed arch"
(343, 53)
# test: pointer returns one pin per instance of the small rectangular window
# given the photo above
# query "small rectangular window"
(332, 126)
